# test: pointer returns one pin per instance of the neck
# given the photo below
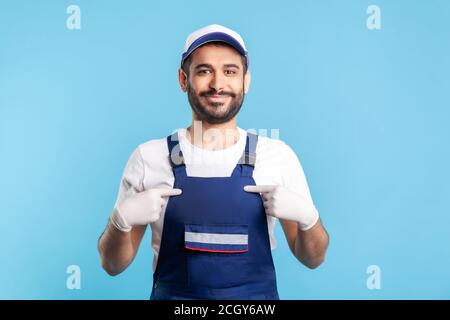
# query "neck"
(211, 136)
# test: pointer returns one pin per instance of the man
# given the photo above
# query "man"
(211, 192)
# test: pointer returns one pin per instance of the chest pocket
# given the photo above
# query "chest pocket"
(217, 255)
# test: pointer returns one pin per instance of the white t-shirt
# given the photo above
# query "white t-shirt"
(149, 167)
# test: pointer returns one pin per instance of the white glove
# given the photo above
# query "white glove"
(282, 203)
(141, 208)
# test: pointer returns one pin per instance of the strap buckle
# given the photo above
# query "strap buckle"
(179, 161)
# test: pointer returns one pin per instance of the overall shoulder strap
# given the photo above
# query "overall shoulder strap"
(248, 159)
(176, 158)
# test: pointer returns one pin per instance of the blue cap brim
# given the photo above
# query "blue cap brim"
(214, 36)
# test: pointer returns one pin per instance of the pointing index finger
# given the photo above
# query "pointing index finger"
(259, 189)
(170, 192)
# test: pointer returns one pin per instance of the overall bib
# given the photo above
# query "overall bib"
(215, 242)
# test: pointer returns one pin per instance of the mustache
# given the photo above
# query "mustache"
(214, 92)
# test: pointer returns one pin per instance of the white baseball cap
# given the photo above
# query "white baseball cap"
(213, 32)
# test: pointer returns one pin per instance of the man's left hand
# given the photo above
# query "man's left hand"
(282, 203)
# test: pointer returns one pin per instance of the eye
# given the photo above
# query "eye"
(230, 72)
(203, 71)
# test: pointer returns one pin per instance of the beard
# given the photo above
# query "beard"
(215, 112)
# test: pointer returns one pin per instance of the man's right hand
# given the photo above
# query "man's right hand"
(141, 208)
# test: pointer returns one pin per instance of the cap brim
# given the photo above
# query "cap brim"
(210, 37)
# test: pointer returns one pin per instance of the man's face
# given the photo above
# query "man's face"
(215, 83)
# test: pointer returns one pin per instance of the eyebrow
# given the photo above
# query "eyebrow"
(232, 65)
(207, 65)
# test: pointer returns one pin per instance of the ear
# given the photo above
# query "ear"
(247, 80)
(182, 79)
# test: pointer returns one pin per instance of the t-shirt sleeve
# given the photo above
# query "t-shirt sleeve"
(132, 177)
(293, 176)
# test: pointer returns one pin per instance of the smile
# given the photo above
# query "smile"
(217, 98)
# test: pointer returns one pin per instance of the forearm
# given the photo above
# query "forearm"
(311, 245)
(116, 250)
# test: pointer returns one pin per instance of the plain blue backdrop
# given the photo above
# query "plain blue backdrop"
(366, 111)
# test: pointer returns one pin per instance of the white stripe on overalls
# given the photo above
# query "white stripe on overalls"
(217, 238)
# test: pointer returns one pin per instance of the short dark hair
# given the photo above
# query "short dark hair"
(187, 63)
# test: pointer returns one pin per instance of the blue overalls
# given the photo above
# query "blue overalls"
(215, 242)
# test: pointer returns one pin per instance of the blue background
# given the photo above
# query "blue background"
(366, 111)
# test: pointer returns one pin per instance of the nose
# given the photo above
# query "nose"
(217, 82)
